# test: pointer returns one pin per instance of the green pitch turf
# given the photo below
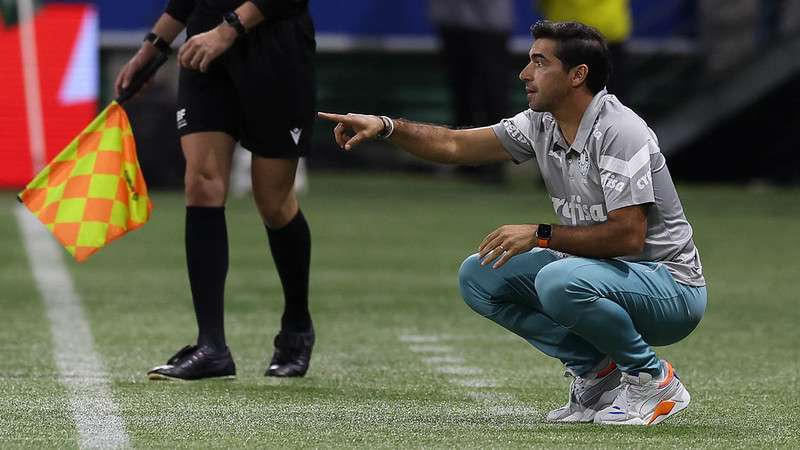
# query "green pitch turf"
(386, 251)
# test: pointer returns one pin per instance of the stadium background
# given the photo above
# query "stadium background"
(389, 234)
(367, 45)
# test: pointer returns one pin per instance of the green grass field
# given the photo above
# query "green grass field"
(385, 257)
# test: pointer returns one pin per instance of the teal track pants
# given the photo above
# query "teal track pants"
(579, 309)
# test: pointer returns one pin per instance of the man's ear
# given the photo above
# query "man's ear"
(579, 74)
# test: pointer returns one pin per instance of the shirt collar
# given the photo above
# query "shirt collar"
(588, 120)
(558, 139)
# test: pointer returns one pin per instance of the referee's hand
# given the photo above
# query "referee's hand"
(202, 49)
(139, 60)
(353, 129)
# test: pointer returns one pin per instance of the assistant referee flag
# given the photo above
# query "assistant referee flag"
(93, 191)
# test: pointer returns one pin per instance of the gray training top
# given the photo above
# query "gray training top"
(614, 162)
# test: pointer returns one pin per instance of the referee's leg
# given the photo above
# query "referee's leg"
(290, 244)
(208, 166)
(273, 182)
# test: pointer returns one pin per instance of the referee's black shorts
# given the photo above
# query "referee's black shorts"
(261, 91)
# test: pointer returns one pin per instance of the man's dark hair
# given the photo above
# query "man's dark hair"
(577, 44)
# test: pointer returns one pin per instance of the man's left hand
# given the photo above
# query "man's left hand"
(505, 242)
(201, 49)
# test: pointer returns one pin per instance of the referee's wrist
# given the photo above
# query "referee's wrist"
(148, 50)
(153, 41)
(228, 32)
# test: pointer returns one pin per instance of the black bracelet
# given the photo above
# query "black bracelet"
(158, 42)
(233, 20)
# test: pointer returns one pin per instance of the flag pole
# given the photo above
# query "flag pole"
(30, 72)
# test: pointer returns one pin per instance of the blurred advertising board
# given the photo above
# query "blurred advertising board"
(48, 85)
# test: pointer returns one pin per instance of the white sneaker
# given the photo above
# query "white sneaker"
(588, 394)
(641, 400)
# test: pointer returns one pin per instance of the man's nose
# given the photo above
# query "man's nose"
(523, 74)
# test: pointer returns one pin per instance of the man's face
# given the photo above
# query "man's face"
(546, 82)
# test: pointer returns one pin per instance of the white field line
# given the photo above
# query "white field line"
(458, 370)
(491, 397)
(417, 339)
(80, 368)
(430, 348)
(475, 382)
(445, 361)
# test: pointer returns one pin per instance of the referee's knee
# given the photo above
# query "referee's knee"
(202, 190)
(277, 213)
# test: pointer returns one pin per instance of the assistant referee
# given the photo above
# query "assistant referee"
(246, 75)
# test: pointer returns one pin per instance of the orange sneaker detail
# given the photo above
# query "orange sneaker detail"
(607, 370)
(670, 374)
(662, 409)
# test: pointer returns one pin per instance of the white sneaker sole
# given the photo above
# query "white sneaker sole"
(587, 415)
(668, 408)
(576, 417)
(663, 410)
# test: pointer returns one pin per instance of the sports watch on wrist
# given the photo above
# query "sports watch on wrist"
(158, 42)
(543, 234)
(232, 19)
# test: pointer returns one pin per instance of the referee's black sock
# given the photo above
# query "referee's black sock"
(291, 251)
(207, 262)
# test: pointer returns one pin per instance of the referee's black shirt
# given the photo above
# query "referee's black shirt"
(180, 10)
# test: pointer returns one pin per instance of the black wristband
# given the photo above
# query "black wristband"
(233, 20)
(158, 42)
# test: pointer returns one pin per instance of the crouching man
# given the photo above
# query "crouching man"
(619, 274)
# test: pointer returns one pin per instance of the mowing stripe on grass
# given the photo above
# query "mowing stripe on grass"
(460, 374)
(80, 368)
(443, 360)
(446, 363)
(430, 348)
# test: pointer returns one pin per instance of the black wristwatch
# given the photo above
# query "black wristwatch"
(232, 19)
(158, 42)
(543, 234)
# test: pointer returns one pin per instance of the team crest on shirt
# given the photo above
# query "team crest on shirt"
(584, 163)
(554, 154)
(515, 132)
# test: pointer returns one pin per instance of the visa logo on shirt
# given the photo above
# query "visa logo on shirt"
(575, 211)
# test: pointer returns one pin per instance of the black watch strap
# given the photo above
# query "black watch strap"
(158, 42)
(543, 234)
(233, 20)
(544, 231)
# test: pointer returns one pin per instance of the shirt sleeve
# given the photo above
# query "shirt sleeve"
(625, 168)
(180, 10)
(273, 8)
(516, 135)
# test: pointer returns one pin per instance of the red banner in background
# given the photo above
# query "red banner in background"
(67, 53)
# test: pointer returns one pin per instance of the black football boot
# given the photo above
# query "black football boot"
(195, 362)
(292, 354)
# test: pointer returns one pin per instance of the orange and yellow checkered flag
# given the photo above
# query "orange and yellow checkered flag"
(93, 191)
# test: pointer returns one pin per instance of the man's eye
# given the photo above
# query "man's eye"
(538, 64)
